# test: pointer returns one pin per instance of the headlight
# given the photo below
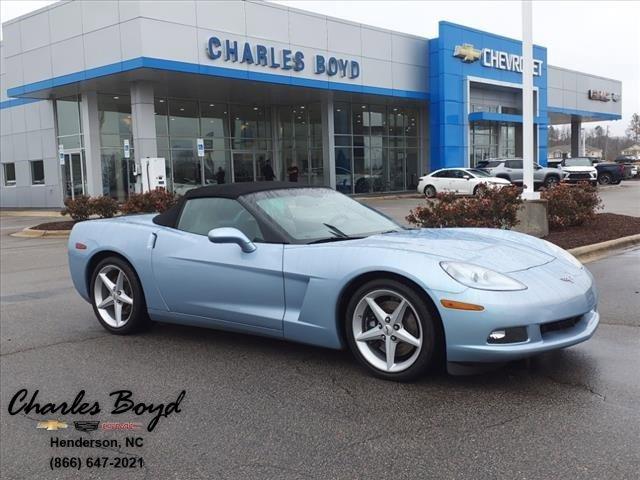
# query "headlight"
(563, 254)
(480, 278)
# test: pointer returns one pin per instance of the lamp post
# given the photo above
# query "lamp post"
(527, 103)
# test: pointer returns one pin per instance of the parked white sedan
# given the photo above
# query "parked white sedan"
(462, 181)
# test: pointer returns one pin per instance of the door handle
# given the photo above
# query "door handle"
(151, 243)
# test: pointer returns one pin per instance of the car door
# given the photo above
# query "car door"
(219, 281)
(513, 168)
(440, 180)
(457, 182)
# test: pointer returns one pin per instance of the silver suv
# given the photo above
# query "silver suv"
(511, 169)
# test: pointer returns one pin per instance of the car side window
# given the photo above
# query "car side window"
(513, 164)
(457, 174)
(199, 215)
(443, 174)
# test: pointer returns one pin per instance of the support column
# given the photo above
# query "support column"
(143, 121)
(576, 126)
(91, 134)
(328, 142)
(423, 146)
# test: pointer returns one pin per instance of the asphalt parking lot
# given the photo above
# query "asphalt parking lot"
(258, 408)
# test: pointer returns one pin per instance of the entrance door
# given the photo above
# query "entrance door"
(74, 174)
(243, 168)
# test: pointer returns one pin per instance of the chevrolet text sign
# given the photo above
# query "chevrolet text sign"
(494, 58)
(507, 61)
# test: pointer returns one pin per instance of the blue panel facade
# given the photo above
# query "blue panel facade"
(448, 91)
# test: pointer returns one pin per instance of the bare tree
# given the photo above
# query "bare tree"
(633, 131)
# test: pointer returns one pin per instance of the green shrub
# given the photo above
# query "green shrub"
(158, 200)
(78, 208)
(491, 207)
(571, 205)
(104, 207)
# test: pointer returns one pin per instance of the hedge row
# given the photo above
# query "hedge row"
(82, 207)
(568, 205)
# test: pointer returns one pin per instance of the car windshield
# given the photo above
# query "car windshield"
(478, 173)
(492, 164)
(320, 214)
(577, 162)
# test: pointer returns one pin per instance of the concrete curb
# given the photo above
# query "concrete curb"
(33, 233)
(597, 251)
(30, 213)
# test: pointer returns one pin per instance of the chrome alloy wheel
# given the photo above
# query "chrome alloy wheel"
(387, 330)
(113, 296)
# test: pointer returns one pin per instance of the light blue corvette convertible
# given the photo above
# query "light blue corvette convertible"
(311, 265)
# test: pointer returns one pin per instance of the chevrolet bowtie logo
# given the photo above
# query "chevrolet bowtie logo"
(467, 53)
(52, 425)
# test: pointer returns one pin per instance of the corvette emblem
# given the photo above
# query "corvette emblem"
(86, 425)
(52, 425)
(467, 53)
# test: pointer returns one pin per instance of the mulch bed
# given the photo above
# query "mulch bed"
(606, 226)
(63, 225)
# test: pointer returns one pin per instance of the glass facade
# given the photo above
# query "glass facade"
(376, 148)
(238, 144)
(69, 136)
(114, 112)
(300, 144)
(492, 140)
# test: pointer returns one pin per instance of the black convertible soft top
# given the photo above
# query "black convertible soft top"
(235, 190)
(227, 190)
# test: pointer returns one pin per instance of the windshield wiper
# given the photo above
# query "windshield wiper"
(334, 239)
(336, 231)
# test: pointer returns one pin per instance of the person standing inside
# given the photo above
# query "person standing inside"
(293, 171)
(267, 172)
(220, 176)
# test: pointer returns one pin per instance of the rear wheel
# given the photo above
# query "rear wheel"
(605, 179)
(430, 191)
(117, 297)
(390, 330)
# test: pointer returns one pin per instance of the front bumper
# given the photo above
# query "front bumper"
(580, 177)
(548, 299)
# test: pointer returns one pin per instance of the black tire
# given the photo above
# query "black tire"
(430, 191)
(138, 318)
(431, 338)
(605, 179)
(551, 181)
(475, 190)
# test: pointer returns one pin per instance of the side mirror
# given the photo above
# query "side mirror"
(467, 177)
(231, 235)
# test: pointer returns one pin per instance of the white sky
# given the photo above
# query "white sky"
(599, 37)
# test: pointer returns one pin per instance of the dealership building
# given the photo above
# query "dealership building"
(244, 91)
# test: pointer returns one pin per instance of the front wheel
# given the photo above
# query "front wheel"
(390, 330)
(117, 297)
(430, 191)
(605, 179)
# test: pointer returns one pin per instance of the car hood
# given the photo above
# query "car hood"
(499, 250)
(494, 180)
(578, 169)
